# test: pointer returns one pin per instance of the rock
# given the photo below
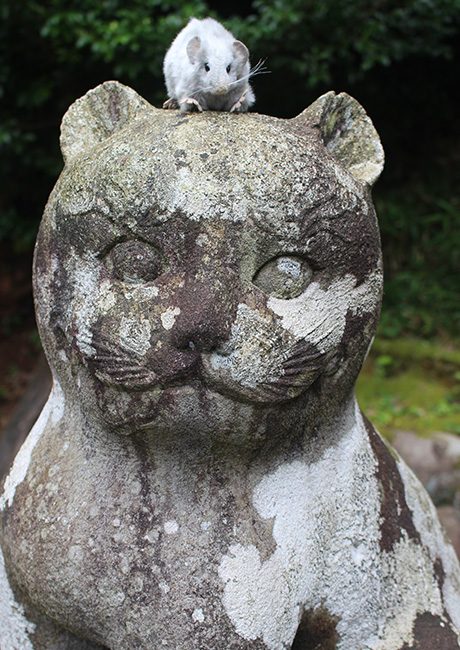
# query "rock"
(450, 519)
(207, 287)
(436, 462)
(429, 457)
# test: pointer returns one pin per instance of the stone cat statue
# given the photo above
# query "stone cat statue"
(201, 478)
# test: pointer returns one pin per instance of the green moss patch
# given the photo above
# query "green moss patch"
(411, 385)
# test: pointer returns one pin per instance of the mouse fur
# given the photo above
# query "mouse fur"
(206, 68)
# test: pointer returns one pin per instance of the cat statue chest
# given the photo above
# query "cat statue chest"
(207, 287)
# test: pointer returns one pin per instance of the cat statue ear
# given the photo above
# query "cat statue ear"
(345, 128)
(348, 134)
(97, 115)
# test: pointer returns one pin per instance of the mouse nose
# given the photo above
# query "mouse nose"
(221, 87)
(206, 317)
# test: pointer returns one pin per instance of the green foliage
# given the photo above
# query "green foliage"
(132, 37)
(312, 39)
(421, 243)
(383, 53)
(396, 395)
(394, 353)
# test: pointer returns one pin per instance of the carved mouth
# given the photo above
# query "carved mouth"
(295, 375)
(115, 366)
(226, 372)
(264, 393)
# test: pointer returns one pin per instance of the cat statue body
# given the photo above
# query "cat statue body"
(207, 287)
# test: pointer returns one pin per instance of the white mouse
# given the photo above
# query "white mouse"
(207, 69)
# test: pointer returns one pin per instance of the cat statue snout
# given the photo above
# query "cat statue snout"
(201, 475)
(206, 314)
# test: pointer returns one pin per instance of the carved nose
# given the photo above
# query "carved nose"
(205, 319)
(200, 330)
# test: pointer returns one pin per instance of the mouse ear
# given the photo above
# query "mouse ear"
(348, 134)
(193, 47)
(241, 51)
(97, 115)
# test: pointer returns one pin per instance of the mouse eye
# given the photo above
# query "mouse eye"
(284, 277)
(206, 67)
(229, 67)
(135, 261)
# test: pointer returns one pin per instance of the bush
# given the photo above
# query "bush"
(398, 59)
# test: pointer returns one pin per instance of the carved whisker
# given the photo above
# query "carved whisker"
(336, 233)
(123, 372)
(330, 230)
(112, 348)
(113, 364)
(303, 351)
(302, 361)
(277, 391)
(110, 356)
(289, 381)
(301, 368)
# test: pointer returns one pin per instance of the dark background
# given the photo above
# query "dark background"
(400, 60)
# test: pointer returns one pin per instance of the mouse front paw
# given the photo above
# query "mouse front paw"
(239, 103)
(189, 103)
(171, 103)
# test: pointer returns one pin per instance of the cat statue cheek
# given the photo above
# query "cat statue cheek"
(207, 287)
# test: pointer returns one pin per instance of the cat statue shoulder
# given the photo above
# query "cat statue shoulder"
(207, 287)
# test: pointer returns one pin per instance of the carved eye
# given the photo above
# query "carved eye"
(284, 277)
(229, 67)
(206, 67)
(135, 261)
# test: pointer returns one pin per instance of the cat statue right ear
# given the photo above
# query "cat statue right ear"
(348, 134)
(97, 115)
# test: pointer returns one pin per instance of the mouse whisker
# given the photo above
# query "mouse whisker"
(257, 69)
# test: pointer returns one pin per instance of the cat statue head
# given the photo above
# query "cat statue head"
(209, 279)
(207, 287)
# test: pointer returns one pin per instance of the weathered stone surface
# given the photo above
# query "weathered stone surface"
(207, 287)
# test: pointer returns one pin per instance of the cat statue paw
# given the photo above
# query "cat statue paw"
(207, 287)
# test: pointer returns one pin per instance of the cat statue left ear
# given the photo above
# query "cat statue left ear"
(207, 287)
